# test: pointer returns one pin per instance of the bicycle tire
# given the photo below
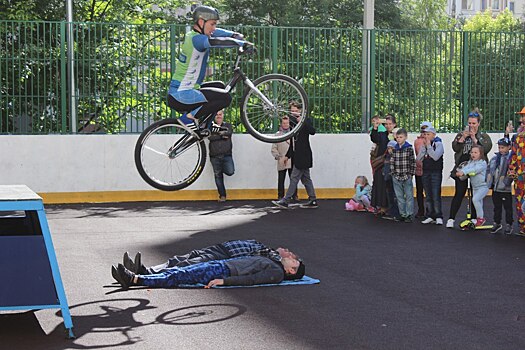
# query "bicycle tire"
(160, 169)
(265, 124)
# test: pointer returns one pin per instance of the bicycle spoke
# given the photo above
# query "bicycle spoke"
(168, 159)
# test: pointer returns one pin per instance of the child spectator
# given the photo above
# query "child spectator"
(500, 184)
(418, 143)
(284, 165)
(402, 168)
(431, 156)
(476, 168)
(361, 199)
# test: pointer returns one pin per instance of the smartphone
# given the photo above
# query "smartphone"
(467, 128)
(509, 124)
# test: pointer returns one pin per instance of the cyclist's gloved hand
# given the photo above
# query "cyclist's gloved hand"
(216, 128)
(248, 48)
(238, 36)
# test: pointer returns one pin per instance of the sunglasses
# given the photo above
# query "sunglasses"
(473, 114)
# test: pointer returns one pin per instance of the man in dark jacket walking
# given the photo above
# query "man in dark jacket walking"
(242, 271)
(221, 152)
(300, 153)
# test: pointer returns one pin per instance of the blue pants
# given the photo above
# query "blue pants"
(193, 274)
(405, 196)
(478, 193)
(393, 209)
(432, 185)
(222, 165)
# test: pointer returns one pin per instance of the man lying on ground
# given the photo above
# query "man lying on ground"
(221, 251)
(240, 271)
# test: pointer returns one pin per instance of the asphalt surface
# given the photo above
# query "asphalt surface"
(384, 285)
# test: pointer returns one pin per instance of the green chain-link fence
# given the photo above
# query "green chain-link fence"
(122, 71)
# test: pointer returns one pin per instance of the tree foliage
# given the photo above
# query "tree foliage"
(425, 14)
(309, 13)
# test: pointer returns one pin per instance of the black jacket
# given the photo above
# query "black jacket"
(300, 151)
(221, 143)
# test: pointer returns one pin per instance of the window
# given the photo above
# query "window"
(467, 4)
(511, 6)
(483, 5)
(495, 4)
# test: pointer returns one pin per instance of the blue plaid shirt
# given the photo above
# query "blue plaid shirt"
(250, 247)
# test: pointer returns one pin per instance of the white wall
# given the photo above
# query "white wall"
(90, 163)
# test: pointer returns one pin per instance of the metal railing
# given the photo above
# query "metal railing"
(122, 72)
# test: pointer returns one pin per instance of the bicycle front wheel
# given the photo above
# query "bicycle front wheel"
(262, 120)
(169, 158)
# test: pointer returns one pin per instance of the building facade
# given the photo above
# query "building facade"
(467, 8)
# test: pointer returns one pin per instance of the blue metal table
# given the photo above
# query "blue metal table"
(28, 265)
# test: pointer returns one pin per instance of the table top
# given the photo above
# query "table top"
(17, 193)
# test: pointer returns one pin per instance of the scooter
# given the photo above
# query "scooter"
(468, 224)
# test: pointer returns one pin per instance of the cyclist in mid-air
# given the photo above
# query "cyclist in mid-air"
(187, 93)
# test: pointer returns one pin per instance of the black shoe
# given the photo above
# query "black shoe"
(138, 263)
(122, 275)
(408, 219)
(496, 228)
(388, 217)
(310, 204)
(127, 262)
(508, 229)
(281, 203)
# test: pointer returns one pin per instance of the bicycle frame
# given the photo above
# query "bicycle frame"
(238, 74)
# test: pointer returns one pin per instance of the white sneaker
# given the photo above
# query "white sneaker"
(439, 221)
(450, 223)
(428, 221)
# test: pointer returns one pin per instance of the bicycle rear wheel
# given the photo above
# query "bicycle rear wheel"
(167, 157)
(261, 120)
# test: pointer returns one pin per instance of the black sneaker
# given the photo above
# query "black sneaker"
(122, 275)
(508, 229)
(310, 204)
(496, 228)
(281, 203)
(408, 219)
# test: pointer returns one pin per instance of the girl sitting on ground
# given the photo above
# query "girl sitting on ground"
(361, 200)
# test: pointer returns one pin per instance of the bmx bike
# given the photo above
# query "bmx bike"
(170, 156)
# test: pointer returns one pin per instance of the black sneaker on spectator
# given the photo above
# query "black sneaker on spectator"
(408, 219)
(312, 204)
(496, 228)
(281, 203)
(508, 229)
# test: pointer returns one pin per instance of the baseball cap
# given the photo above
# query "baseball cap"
(431, 129)
(504, 141)
(391, 144)
(522, 111)
(426, 125)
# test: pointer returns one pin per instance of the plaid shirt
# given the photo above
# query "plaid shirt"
(403, 162)
(250, 247)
